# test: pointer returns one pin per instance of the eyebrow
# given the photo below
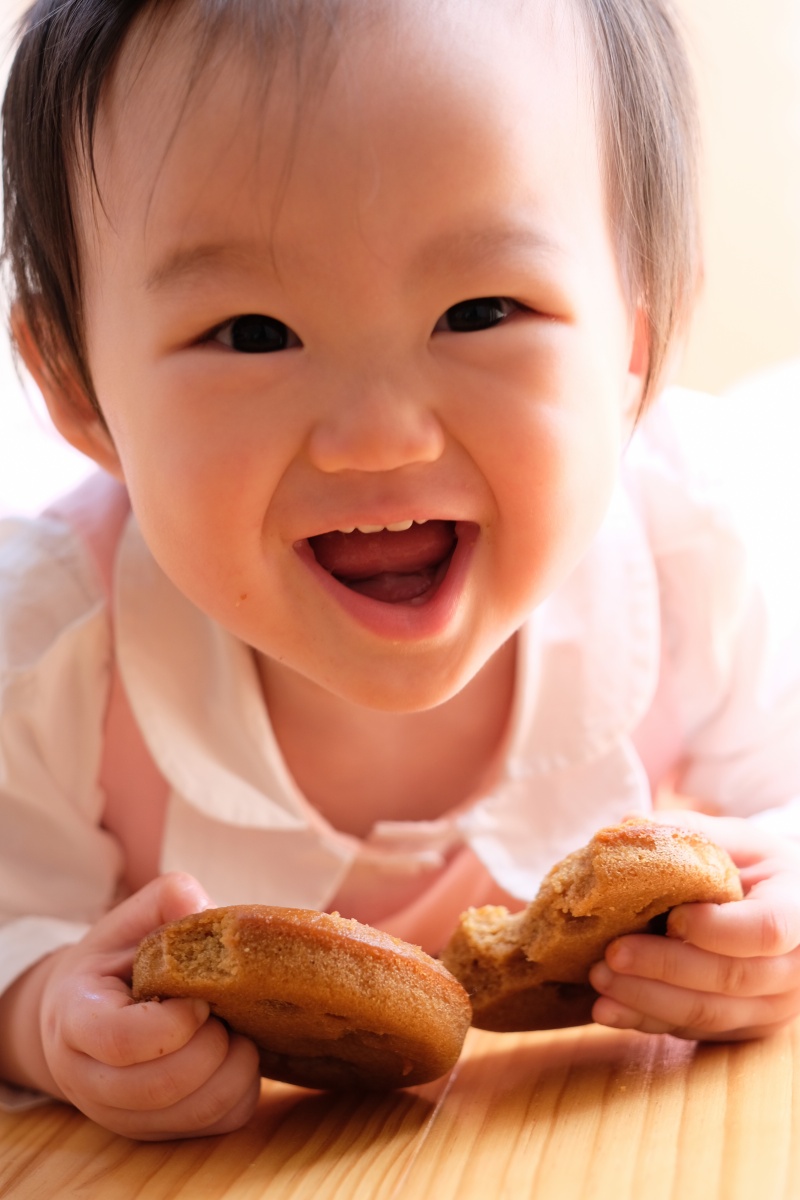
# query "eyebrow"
(482, 245)
(478, 246)
(186, 263)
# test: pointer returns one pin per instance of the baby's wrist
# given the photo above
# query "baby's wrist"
(23, 1061)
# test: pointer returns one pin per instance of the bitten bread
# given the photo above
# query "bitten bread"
(331, 1003)
(530, 970)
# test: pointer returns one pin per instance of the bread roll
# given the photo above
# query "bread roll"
(530, 970)
(330, 1003)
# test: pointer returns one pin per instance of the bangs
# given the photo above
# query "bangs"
(70, 49)
(68, 54)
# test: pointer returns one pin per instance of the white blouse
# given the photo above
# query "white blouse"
(655, 655)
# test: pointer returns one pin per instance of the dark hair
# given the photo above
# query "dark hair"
(68, 49)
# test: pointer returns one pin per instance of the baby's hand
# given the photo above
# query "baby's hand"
(725, 971)
(152, 1070)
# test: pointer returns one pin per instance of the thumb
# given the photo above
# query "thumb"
(164, 899)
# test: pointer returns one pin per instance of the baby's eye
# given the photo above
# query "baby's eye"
(469, 316)
(255, 334)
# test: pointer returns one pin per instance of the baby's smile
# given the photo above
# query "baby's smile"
(403, 562)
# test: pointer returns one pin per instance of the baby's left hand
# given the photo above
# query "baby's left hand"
(725, 972)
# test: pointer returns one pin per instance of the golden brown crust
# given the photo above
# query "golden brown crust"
(530, 970)
(330, 1002)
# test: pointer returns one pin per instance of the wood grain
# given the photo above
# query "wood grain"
(580, 1114)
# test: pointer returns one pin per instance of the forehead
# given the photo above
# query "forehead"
(464, 95)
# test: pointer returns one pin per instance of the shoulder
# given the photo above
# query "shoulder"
(685, 489)
(690, 474)
(56, 656)
(50, 587)
(676, 471)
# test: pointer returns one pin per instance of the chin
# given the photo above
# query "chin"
(406, 687)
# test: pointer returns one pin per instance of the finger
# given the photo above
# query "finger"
(687, 966)
(617, 1016)
(164, 899)
(161, 1082)
(110, 1028)
(682, 1009)
(765, 922)
(223, 1103)
(240, 1114)
(765, 868)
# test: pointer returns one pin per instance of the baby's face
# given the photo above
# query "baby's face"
(393, 299)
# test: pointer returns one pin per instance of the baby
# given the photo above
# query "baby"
(394, 584)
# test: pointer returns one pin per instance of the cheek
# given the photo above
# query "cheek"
(201, 471)
(551, 454)
(553, 497)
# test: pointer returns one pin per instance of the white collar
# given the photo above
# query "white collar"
(194, 690)
(588, 673)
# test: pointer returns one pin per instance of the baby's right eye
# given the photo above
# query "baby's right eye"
(255, 334)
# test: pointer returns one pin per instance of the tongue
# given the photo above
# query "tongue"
(387, 566)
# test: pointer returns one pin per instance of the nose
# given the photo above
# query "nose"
(375, 426)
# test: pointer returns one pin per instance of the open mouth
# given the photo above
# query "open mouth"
(392, 565)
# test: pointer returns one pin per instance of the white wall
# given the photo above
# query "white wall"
(747, 57)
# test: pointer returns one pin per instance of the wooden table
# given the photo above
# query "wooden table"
(580, 1114)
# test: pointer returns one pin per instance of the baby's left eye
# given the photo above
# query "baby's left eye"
(256, 334)
(470, 316)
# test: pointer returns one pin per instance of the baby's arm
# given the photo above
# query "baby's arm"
(725, 972)
(70, 1028)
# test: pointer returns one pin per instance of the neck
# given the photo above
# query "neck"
(359, 765)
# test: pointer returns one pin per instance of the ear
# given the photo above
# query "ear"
(70, 408)
(637, 367)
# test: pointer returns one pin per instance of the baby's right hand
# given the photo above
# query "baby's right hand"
(153, 1070)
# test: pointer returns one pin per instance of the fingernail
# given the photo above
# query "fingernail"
(616, 1017)
(676, 924)
(600, 976)
(612, 1017)
(191, 887)
(201, 1010)
(619, 955)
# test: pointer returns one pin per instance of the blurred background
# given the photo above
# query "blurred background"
(747, 58)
